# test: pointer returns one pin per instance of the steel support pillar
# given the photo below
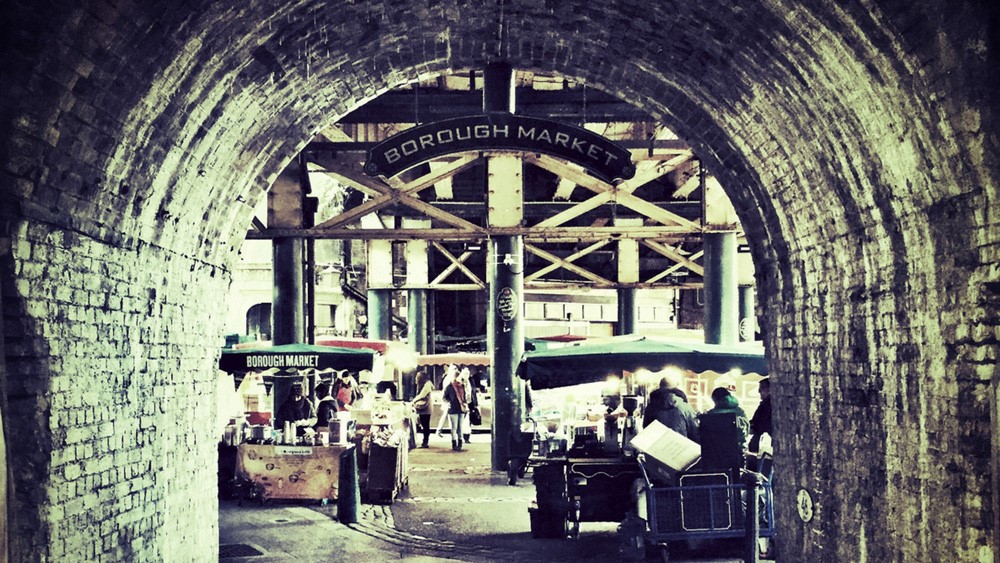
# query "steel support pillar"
(380, 314)
(748, 322)
(287, 312)
(285, 209)
(498, 88)
(721, 314)
(628, 273)
(506, 344)
(417, 279)
(628, 310)
(505, 208)
(288, 324)
(416, 318)
(380, 288)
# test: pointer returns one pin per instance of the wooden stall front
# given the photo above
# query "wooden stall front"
(291, 472)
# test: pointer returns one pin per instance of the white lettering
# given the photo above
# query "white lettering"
(468, 134)
(522, 132)
(392, 155)
(611, 157)
(578, 145)
(544, 136)
(562, 139)
(497, 130)
(441, 134)
(482, 131)
(409, 147)
(426, 141)
(279, 360)
(592, 151)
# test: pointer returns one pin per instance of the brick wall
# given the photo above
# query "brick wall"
(111, 398)
(857, 144)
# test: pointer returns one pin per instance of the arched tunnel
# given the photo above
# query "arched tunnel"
(857, 141)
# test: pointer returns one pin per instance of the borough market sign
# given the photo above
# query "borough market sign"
(500, 131)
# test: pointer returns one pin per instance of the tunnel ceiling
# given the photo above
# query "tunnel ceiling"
(776, 101)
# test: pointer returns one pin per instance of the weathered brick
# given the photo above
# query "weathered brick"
(855, 137)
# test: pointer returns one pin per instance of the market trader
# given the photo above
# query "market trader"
(326, 407)
(672, 411)
(296, 409)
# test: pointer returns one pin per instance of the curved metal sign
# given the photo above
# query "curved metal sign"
(500, 131)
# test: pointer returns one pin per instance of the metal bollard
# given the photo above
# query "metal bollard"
(348, 489)
(751, 519)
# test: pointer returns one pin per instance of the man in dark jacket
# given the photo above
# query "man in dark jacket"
(725, 404)
(761, 421)
(673, 412)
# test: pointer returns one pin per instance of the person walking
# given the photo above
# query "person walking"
(450, 372)
(422, 404)
(458, 406)
(470, 393)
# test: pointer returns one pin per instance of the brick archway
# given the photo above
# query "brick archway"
(855, 144)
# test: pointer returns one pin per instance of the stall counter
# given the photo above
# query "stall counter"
(291, 472)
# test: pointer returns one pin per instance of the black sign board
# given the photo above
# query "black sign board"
(507, 304)
(500, 131)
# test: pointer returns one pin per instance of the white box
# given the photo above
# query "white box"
(666, 446)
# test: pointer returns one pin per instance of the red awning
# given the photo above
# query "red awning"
(379, 346)
(457, 358)
(562, 337)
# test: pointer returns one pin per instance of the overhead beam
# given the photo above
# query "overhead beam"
(640, 148)
(675, 255)
(456, 263)
(623, 197)
(563, 263)
(555, 234)
(578, 209)
(401, 193)
(430, 104)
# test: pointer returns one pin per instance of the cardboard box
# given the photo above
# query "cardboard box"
(666, 451)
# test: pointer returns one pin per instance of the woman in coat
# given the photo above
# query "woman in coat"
(422, 404)
(458, 406)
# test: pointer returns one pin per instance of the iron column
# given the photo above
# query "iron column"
(720, 288)
(505, 270)
(380, 289)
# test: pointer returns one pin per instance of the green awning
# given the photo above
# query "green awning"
(594, 361)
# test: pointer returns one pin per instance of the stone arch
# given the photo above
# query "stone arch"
(856, 143)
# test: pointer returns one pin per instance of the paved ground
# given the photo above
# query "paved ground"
(455, 509)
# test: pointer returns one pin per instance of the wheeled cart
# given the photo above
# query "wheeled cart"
(706, 506)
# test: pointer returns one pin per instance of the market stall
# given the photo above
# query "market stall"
(582, 459)
(299, 461)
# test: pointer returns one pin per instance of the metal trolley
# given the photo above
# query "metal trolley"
(707, 506)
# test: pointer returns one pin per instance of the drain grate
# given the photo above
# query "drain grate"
(237, 550)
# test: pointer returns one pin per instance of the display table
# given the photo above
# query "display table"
(291, 472)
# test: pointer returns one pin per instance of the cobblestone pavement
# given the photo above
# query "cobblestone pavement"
(453, 509)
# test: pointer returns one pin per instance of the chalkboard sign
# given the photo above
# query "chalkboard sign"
(507, 304)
